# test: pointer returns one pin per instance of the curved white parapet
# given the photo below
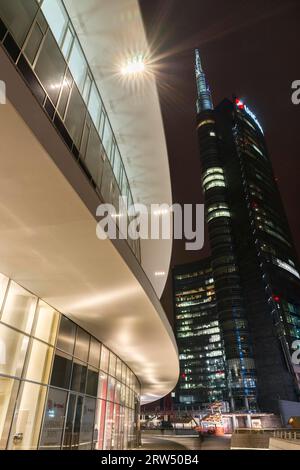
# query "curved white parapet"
(111, 32)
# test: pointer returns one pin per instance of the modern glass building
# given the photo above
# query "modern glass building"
(201, 354)
(80, 317)
(254, 262)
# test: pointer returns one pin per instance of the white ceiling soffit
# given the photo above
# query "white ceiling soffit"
(110, 31)
(48, 245)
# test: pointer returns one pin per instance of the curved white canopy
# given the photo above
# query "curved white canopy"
(110, 32)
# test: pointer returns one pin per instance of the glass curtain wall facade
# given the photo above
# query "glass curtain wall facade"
(201, 354)
(42, 43)
(254, 262)
(60, 388)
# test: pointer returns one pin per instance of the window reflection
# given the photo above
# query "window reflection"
(54, 419)
(61, 371)
(13, 347)
(39, 362)
(19, 308)
(82, 345)
(66, 335)
(28, 416)
(46, 323)
(8, 395)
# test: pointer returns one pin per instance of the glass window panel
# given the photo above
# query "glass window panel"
(78, 65)
(67, 43)
(92, 382)
(99, 424)
(46, 322)
(39, 362)
(50, 67)
(107, 137)
(86, 89)
(123, 395)
(78, 376)
(87, 437)
(112, 364)
(66, 335)
(56, 17)
(61, 371)
(82, 345)
(108, 425)
(94, 356)
(124, 372)
(104, 359)
(119, 369)
(117, 392)
(19, 308)
(77, 422)
(75, 116)
(102, 386)
(3, 287)
(18, 16)
(13, 347)
(111, 388)
(28, 416)
(8, 395)
(54, 419)
(115, 442)
(67, 444)
(85, 137)
(93, 160)
(33, 43)
(94, 105)
(65, 93)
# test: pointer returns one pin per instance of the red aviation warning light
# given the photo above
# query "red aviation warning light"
(239, 104)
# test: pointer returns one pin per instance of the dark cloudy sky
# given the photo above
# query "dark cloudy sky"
(248, 47)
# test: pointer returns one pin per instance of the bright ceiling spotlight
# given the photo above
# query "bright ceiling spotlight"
(134, 66)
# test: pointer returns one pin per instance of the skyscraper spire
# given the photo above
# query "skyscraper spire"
(204, 101)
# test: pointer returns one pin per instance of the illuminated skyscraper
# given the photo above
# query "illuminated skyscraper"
(254, 262)
(201, 355)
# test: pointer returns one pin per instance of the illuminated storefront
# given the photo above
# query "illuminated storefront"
(60, 388)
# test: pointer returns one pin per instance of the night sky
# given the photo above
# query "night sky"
(248, 48)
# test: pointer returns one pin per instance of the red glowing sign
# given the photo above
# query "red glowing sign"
(276, 298)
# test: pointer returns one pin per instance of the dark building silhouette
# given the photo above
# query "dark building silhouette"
(253, 259)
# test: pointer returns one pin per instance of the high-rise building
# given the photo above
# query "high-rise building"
(83, 337)
(201, 355)
(254, 262)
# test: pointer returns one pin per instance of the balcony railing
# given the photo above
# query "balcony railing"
(41, 41)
